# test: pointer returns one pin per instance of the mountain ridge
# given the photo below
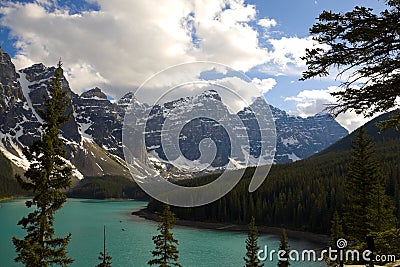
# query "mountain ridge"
(93, 135)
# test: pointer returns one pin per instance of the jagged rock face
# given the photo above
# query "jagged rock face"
(8, 79)
(18, 126)
(22, 97)
(94, 120)
(304, 137)
(100, 120)
(94, 116)
(95, 93)
(36, 80)
(297, 137)
(205, 115)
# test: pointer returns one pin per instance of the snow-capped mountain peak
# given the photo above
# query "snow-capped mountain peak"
(93, 135)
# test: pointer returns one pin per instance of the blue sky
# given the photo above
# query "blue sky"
(294, 18)
(117, 44)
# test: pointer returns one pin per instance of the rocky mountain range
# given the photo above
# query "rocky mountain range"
(93, 135)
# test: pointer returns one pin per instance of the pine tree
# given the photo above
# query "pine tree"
(368, 209)
(336, 230)
(105, 261)
(365, 45)
(284, 246)
(47, 175)
(165, 253)
(335, 233)
(252, 247)
(104, 257)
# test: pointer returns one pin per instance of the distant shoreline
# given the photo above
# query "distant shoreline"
(317, 239)
(3, 199)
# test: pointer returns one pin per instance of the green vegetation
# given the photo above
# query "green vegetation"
(302, 195)
(9, 186)
(252, 246)
(335, 233)
(336, 230)
(47, 175)
(365, 45)
(367, 209)
(284, 246)
(165, 253)
(107, 186)
(105, 261)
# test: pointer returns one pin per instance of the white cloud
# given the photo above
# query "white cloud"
(311, 102)
(127, 41)
(84, 76)
(285, 57)
(267, 23)
(351, 121)
(247, 91)
(264, 84)
(244, 92)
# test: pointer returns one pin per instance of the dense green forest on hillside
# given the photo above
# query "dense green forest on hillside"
(101, 187)
(302, 195)
(8, 184)
(107, 186)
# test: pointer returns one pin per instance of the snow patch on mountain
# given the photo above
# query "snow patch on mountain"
(289, 141)
(19, 161)
(293, 157)
(25, 90)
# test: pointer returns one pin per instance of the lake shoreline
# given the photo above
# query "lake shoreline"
(4, 199)
(317, 239)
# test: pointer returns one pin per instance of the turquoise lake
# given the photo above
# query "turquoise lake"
(129, 237)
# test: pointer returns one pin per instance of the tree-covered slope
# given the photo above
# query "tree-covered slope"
(107, 186)
(304, 194)
(371, 129)
(8, 184)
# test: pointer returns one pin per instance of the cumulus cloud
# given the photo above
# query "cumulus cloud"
(236, 89)
(125, 42)
(267, 23)
(285, 55)
(311, 102)
(264, 85)
(246, 90)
